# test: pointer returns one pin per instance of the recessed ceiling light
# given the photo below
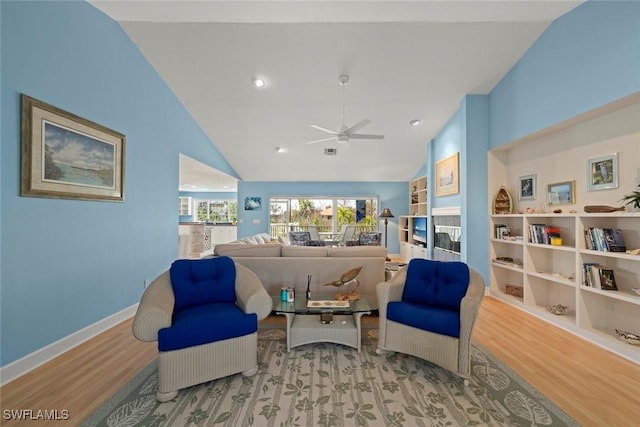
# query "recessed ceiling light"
(281, 150)
(415, 122)
(258, 82)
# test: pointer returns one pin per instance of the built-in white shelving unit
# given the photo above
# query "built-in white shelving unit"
(543, 274)
(409, 248)
(551, 275)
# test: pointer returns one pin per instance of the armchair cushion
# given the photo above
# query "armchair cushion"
(203, 281)
(436, 283)
(433, 319)
(204, 324)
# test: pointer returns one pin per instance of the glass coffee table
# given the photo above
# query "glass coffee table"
(323, 319)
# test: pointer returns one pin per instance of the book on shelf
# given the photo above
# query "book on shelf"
(607, 279)
(542, 233)
(604, 239)
(587, 274)
(614, 240)
(598, 276)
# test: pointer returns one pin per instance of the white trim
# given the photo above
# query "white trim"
(446, 211)
(31, 361)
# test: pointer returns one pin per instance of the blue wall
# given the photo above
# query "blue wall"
(392, 195)
(467, 133)
(66, 264)
(586, 58)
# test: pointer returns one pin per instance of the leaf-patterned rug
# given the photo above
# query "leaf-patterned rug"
(333, 385)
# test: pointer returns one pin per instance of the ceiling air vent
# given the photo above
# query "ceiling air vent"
(330, 151)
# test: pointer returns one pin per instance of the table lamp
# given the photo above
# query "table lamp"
(386, 214)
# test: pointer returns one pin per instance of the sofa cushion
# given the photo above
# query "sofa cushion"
(436, 283)
(202, 281)
(304, 251)
(433, 319)
(204, 324)
(239, 250)
(358, 251)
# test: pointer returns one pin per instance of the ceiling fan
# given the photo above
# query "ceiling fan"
(344, 133)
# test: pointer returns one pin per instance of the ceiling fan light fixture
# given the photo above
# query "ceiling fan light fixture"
(415, 122)
(258, 82)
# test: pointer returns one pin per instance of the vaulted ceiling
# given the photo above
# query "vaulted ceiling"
(406, 60)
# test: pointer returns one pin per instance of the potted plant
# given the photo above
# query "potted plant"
(632, 199)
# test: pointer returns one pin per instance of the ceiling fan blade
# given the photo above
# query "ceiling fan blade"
(324, 130)
(322, 140)
(365, 136)
(357, 126)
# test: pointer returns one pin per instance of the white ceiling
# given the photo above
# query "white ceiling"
(406, 59)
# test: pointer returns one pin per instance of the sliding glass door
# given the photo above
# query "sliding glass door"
(326, 213)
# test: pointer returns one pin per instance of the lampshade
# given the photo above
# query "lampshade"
(386, 213)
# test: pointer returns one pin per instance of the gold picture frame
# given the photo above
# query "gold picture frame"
(562, 193)
(67, 157)
(447, 176)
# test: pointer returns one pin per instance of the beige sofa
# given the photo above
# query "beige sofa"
(280, 265)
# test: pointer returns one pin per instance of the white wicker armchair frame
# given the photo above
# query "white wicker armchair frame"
(182, 368)
(448, 352)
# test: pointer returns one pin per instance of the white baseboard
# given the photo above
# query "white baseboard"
(31, 361)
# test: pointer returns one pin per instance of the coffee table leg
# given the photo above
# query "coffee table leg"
(356, 319)
(289, 317)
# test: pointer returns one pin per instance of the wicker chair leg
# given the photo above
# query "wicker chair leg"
(165, 397)
(250, 372)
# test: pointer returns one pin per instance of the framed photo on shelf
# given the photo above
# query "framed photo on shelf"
(447, 176)
(602, 172)
(561, 193)
(527, 187)
(67, 157)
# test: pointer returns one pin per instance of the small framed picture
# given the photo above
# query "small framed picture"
(602, 172)
(527, 187)
(252, 203)
(561, 193)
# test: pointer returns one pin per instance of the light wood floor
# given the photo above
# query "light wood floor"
(594, 386)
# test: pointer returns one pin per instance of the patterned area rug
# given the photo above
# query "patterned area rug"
(333, 385)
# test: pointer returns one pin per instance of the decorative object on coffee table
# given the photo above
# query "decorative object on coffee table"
(346, 278)
(502, 202)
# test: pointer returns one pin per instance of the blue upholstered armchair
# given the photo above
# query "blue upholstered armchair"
(204, 314)
(428, 310)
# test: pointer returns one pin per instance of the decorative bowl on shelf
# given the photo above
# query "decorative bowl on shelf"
(628, 337)
(558, 309)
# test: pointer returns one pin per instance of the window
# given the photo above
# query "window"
(216, 210)
(327, 213)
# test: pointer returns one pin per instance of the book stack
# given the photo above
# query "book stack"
(598, 277)
(604, 239)
(501, 231)
(542, 233)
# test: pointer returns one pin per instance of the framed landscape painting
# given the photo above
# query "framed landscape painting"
(66, 156)
(603, 172)
(447, 176)
(562, 193)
